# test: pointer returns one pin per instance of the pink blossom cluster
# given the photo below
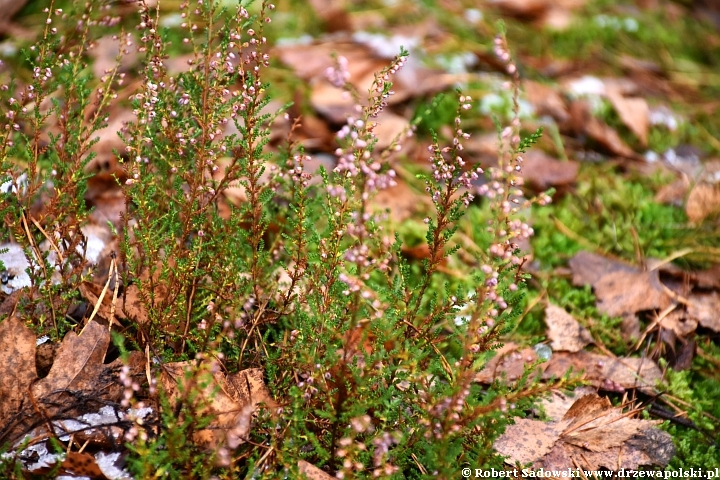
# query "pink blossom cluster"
(444, 415)
(338, 75)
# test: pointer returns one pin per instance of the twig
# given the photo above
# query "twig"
(39, 259)
(101, 296)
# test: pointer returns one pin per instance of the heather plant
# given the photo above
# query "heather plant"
(369, 370)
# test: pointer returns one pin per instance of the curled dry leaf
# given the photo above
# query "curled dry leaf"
(230, 400)
(559, 402)
(703, 201)
(591, 434)
(704, 308)
(582, 121)
(633, 111)
(679, 322)
(564, 331)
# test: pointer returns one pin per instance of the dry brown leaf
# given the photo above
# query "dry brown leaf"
(541, 171)
(633, 111)
(582, 121)
(673, 193)
(9, 8)
(630, 327)
(131, 306)
(333, 14)
(75, 465)
(77, 372)
(630, 456)
(681, 323)
(128, 305)
(546, 100)
(564, 331)
(703, 201)
(487, 374)
(559, 402)
(402, 201)
(311, 472)
(81, 465)
(529, 440)
(591, 434)
(104, 52)
(417, 252)
(704, 308)
(620, 288)
(709, 278)
(17, 355)
(613, 374)
(231, 400)
(597, 426)
(547, 12)
(310, 63)
(78, 361)
(389, 127)
(626, 293)
(510, 362)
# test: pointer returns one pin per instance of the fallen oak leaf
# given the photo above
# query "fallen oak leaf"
(77, 382)
(78, 361)
(231, 401)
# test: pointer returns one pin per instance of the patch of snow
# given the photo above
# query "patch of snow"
(294, 41)
(383, 46)
(473, 15)
(16, 263)
(651, 157)
(587, 85)
(106, 464)
(665, 117)
(457, 64)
